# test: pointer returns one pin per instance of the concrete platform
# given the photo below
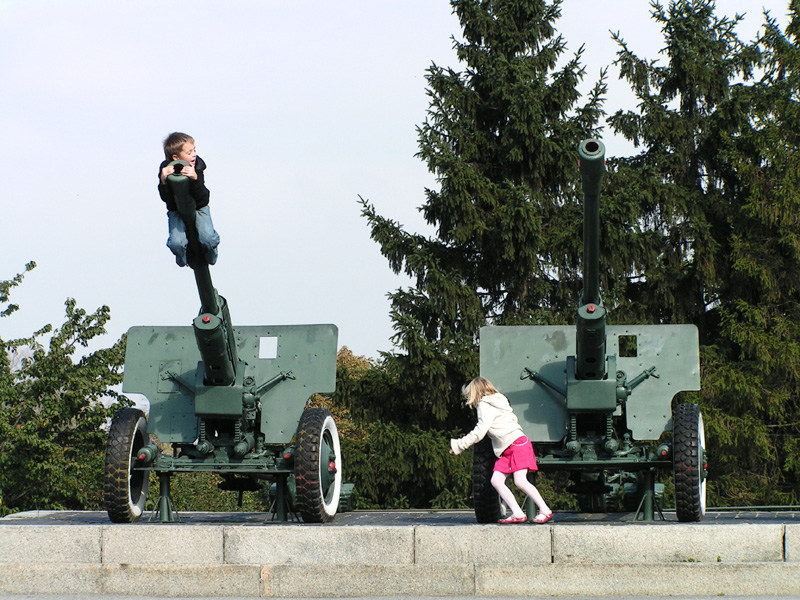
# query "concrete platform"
(414, 553)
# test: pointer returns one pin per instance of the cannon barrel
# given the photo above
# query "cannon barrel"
(179, 185)
(212, 327)
(591, 324)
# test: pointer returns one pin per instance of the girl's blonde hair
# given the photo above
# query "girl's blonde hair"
(476, 389)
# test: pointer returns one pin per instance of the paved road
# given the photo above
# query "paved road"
(397, 518)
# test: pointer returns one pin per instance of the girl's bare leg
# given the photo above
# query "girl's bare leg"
(499, 483)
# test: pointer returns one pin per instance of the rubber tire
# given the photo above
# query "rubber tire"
(688, 441)
(316, 446)
(125, 489)
(485, 498)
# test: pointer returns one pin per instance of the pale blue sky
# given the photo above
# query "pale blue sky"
(297, 107)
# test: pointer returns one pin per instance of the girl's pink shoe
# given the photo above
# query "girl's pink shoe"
(512, 519)
(543, 518)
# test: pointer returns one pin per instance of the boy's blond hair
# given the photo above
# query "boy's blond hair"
(476, 389)
(174, 142)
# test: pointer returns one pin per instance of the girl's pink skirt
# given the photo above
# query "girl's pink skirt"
(519, 455)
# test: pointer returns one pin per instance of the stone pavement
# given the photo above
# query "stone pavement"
(400, 553)
(392, 518)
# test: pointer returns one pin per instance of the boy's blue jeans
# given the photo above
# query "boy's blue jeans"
(178, 242)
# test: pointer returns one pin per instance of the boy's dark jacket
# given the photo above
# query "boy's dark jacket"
(197, 187)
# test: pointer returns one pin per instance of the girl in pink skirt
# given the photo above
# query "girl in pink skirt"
(513, 450)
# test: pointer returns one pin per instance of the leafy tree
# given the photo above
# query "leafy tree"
(717, 231)
(200, 491)
(392, 467)
(52, 411)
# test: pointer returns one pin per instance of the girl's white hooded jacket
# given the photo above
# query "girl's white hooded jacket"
(496, 418)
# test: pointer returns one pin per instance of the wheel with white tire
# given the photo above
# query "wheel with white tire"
(318, 466)
(689, 462)
(125, 488)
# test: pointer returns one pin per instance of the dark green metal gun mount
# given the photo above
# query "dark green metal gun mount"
(596, 399)
(229, 400)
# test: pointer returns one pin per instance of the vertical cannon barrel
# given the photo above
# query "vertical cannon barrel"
(179, 185)
(591, 324)
(216, 345)
(212, 327)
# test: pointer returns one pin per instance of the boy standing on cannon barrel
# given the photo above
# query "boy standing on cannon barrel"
(179, 146)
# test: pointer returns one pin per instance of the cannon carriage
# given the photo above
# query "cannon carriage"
(597, 400)
(228, 400)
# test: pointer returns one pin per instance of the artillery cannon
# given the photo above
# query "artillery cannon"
(596, 399)
(230, 400)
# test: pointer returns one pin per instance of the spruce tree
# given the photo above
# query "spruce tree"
(754, 367)
(716, 181)
(501, 138)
